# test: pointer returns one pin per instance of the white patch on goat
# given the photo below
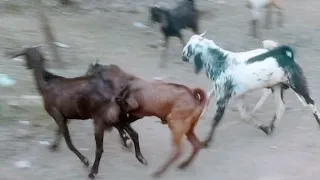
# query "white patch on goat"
(289, 54)
(255, 76)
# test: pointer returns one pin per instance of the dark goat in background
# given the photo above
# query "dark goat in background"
(77, 98)
(183, 16)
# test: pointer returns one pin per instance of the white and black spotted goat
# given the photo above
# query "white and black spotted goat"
(236, 73)
(267, 44)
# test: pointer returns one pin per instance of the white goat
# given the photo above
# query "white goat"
(267, 44)
(256, 8)
(236, 73)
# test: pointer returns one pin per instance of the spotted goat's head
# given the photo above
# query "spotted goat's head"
(193, 50)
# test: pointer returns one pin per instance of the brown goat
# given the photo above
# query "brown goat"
(176, 105)
(79, 98)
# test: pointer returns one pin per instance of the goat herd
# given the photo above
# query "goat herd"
(115, 98)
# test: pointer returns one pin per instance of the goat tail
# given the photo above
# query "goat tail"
(297, 79)
(270, 44)
(201, 96)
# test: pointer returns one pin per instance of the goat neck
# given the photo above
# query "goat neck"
(215, 60)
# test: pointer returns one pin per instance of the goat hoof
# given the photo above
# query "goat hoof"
(92, 175)
(86, 162)
(265, 129)
(157, 174)
(183, 165)
(53, 147)
(205, 144)
(162, 66)
(128, 143)
(142, 160)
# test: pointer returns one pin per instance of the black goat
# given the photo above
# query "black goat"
(183, 16)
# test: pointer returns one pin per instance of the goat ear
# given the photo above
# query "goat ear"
(97, 61)
(204, 33)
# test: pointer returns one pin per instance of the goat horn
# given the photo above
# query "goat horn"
(202, 35)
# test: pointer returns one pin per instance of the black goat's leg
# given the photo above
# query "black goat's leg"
(135, 138)
(98, 135)
(62, 122)
(182, 41)
(195, 28)
(125, 138)
(163, 56)
(57, 139)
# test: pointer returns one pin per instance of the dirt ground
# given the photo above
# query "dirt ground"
(104, 30)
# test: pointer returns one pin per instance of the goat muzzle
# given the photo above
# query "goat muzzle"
(185, 59)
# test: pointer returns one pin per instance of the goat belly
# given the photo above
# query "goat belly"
(257, 75)
(170, 31)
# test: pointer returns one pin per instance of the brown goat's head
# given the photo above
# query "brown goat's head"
(94, 68)
(99, 69)
(32, 57)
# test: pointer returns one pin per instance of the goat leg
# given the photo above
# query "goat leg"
(175, 154)
(135, 138)
(56, 142)
(279, 102)
(163, 57)
(196, 144)
(125, 138)
(182, 41)
(98, 135)
(221, 106)
(65, 131)
(178, 131)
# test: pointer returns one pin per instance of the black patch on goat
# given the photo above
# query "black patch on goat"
(279, 53)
